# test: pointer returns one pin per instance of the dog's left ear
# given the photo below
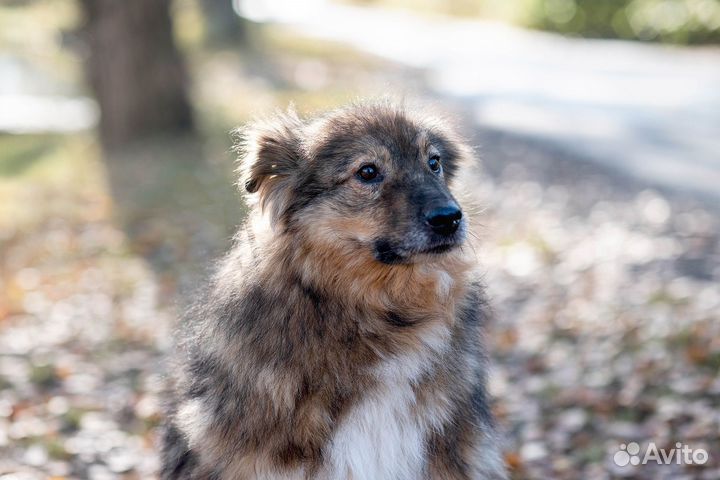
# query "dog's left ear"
(271, 155)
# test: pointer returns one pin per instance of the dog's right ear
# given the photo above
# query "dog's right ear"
(271, 153)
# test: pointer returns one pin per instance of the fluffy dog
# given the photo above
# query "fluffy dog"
(341, 337)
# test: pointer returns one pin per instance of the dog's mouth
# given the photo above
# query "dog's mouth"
(438, 249)
(388, 253)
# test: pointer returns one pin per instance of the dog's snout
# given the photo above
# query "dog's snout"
(444, 220)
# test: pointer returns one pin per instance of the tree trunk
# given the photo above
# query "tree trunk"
(135, 70)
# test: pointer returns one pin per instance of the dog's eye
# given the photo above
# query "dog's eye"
(434, 163)
(368, 173)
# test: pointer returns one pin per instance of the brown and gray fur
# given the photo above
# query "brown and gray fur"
(341, 337)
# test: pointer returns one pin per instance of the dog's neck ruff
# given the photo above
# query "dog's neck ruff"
(358, 278)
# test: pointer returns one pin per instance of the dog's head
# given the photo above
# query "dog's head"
(365, 180)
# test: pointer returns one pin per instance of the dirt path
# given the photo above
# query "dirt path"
(648, 111)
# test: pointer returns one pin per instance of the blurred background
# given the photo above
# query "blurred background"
(597, 125)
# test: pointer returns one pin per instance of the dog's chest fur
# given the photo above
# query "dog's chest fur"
(380, 438)
(384, 435)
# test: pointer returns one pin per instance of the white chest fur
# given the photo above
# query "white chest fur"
(381, 438)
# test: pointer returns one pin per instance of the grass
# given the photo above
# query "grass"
(43, 176)
(24, 151)
(53, 25)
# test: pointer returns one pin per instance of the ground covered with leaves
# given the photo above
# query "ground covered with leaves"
(608, 303)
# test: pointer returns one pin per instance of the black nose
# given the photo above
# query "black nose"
(444, 220)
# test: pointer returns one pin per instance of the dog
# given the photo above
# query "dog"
(341, 338)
